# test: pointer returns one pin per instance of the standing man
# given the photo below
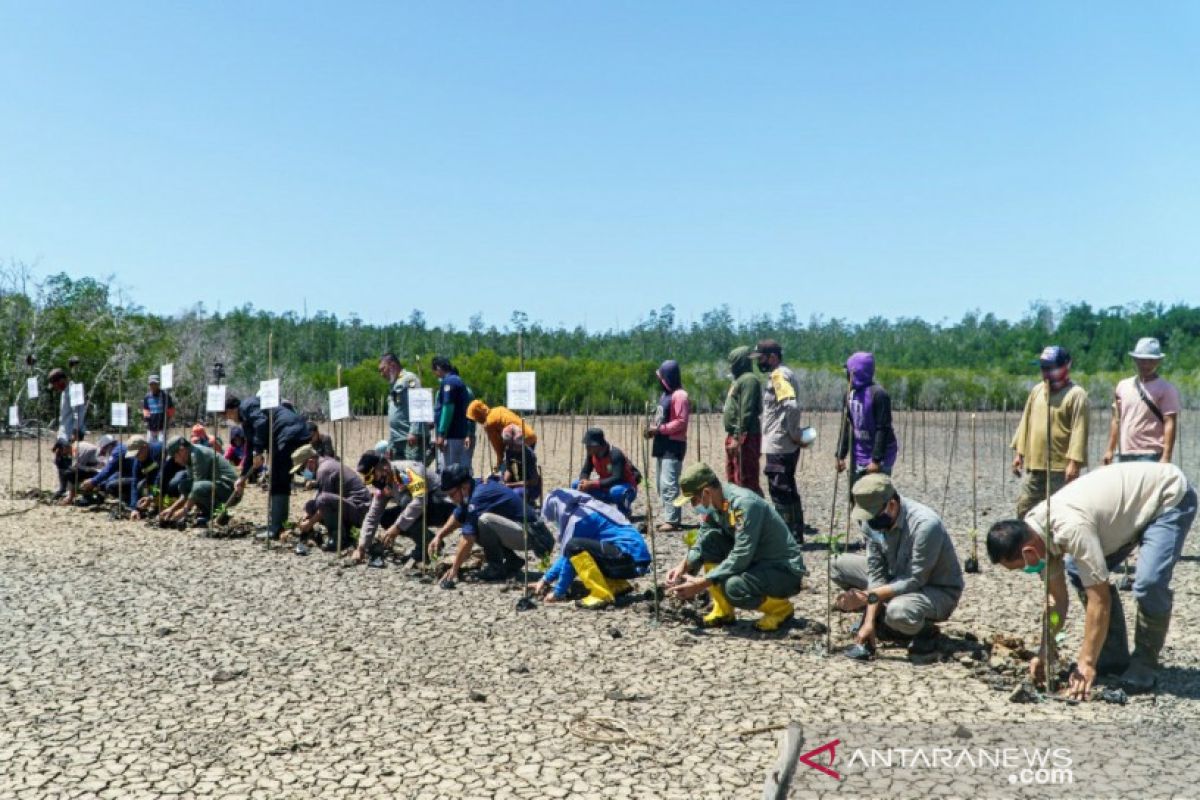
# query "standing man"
(908, 580)
(749, 557)
(404, 437)
(71, 424)
(781, 434)
(1145, 411)
(867, 435)
(450, 416)
(1094, 524)
(743, 422)
(158, 409)
(1067, 447)
(670, 431)
(288, 434)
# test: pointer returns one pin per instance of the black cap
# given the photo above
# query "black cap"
(368, 462)
(766, 347)
(454, 475)
(594, 437)
(1054, 356)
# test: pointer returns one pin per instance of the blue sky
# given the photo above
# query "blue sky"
(586, 162)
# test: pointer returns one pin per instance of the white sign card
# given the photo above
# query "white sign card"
(522, 391)
(166, 376)
(75, 394)
(268, 394)
(339, 403)
(31, 388)
(120, 415)
(216, 400)
(14, 416)
(420, 405)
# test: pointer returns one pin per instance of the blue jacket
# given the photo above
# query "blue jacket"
(450, 408)
(118, 467)
(593, 525)
(491, 497)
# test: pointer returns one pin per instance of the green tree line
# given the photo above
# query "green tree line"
(978, 362)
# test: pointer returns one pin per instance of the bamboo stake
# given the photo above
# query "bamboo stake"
(650, 517)
(270, 437)
(341, 476)
(1046, 638)
(837, 474)
(950, 463)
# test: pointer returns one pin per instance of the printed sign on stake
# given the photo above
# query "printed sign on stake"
(215, 400)
(75, 394)
(339, 403)
(14, 416)
(420, 405)
(31, 388)
(166, 376)
(120, 415)
(522, 391)
(268, 394)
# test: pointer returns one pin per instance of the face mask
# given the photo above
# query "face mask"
(307, 475)
(704, 511)
(881, 522)
(1035, 569)
(877, 537)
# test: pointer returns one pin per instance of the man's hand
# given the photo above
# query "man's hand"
(675, 574)
(1037, 671)
(841, 465)
(588, 486)
(87, 485)
(650, 431)
(135, 515)
(866, 634)
(439, 442)
(1081, 680)
(389, 536)
(1017, 465)
(357, 555)
(413, 440)
(435, 546)
(239, 485)
(873, 467)
(1072, 471)
(1108, 457)
(467, 442)
(691, 586)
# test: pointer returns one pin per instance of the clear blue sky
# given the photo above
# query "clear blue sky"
(590, 161)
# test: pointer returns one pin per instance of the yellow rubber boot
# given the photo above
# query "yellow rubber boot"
(599, 595)
(722, 611)
(619, 586)
(775, 612)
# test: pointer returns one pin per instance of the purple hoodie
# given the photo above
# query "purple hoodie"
(870, 412)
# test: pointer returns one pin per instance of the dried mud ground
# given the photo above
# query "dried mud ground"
(137, 662)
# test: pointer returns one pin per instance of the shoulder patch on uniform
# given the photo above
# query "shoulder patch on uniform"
(782, 387)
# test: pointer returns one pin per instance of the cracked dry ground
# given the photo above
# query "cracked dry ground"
(136, 662)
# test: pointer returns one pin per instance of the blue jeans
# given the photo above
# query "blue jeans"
(1123, 457)
(1161, 545)
(622, 496)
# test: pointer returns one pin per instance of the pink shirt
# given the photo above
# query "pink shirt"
(1141, 432)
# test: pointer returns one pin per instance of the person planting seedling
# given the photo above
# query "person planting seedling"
(909, 578)
(597, 545)
(494, 420)
(208, 475)
(749, 557)
(341, 500)
(1097, 521)
(404, 496)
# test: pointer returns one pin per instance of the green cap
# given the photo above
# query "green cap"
(693, 479)
(174, 445)
(871, 493)
(301, 455)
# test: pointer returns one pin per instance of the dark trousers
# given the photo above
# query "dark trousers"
(612, 560)
(281, 467)
(781, 483)
(72, 478)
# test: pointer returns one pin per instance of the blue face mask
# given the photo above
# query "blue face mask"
(703, 510)
(1035, 569)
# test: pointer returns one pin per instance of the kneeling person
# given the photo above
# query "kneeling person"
(410, 487)
(750, 558)
(496, 517)
(1095, 522)
(209, 477)
(338, 487)
(596, 544)
(910, 577)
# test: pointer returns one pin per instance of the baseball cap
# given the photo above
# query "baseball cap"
(871, 493)
(302, 455)
(1054, 356)
(693, 479)
(136, 443)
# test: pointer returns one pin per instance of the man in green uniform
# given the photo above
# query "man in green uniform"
(404, 437)
(749, 557)
(205, 467)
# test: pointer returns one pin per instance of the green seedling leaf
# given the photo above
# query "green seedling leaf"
(689, 537)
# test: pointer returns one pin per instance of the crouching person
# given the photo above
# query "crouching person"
(749, 556)
(88, 460)
(339, 488)
(403, 499)
(1095, 522)
(910, 577)
(207, 477)
(596, 544)
(494, 516)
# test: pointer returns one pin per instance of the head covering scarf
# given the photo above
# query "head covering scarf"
(564, 507)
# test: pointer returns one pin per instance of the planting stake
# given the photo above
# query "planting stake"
(1046, 638)
(650, 515)
(341, 474)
